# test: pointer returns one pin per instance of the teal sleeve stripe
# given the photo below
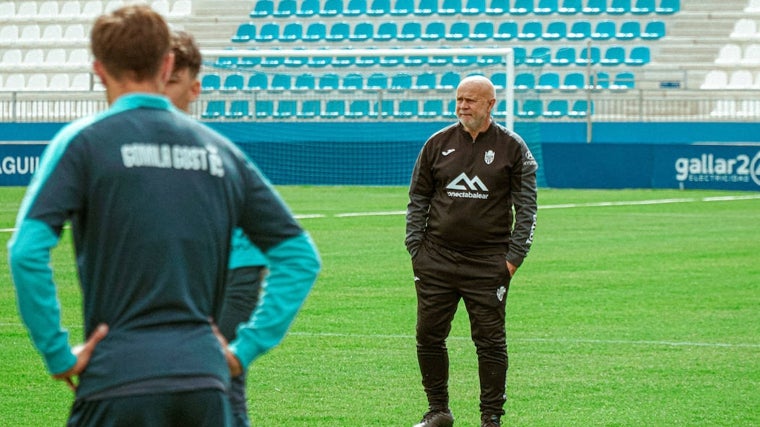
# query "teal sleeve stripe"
(293, 268)
(244, 253)
(29, 259)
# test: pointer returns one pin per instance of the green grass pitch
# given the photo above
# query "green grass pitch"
(624, 314)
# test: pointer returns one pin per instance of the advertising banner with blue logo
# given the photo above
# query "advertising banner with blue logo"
(707, 166)
(18, 161)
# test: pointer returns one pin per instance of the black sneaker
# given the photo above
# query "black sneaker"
(436, 418)
(490, 421)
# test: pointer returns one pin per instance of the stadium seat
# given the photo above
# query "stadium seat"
(653, 30)
(434, 30)
(262, 8)
(238, 110)
(315, 32)
(355, 8)
(383, 109)
(286, 108)
(246, 32)
(524, 82)
(281, 82)
(386, 31)
(570, 7)
(531, 30)
(36, 82)
(580, 109)
(579, 30)
(668, 7)
(8, 9)
(529, 109)
(629, 30)
(613, 56)
(539, 56)
(450, 111)
(402, 7)
(715, 79)
(482, 30)
(595, 7)
(546, 7)
(257, 81)
(400, 82)
(464, 60)
(599, 81)
(411, 30)
(352, 82)
(564, 56)
(573, 82)
(211, 82)
(415, 60)
(304, 82)
(729, 54)
(556, 109)
(285, 8)
(335, 108)
(619, 7)
(521, 7)
(623, 81)
(407, 108)
(377, 81)
(450, 7)
(639, 55)
(318, 61)
(425, 81)
(272, 61)
(48, 10)
(367, 61)
(358, 108)
(449, 81)
(740, 79)
(214, 110)
(263, 108)
(440, 60)
(331, 8)
(339, 31)
(499, 111)
(497, 7)
(81, 81)
(459, 30)
(431, 108)
(643, 7)
(268, 32)
(751, 56)
(547, 82)
(379, 8)
(588, 55)
(291, 32)
(604, 30)
(310, 109)
(507, 30)
(555, 30)
(426, 7)
(363, 31)
(474, 7)
(328, 82)
(390, 61)
(233, 83)
(343, 61)
(308, 8)
(499, 80)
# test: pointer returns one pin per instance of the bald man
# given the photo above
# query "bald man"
(469, 226)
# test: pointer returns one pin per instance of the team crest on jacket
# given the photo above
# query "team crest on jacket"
(489, 157)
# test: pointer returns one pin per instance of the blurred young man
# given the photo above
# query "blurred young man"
(470, 181)
(247, 266)
(152, 198)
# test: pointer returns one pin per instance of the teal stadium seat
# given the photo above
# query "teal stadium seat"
(281, 82)
(435, 30)
(589, 55)
(246, 32)
(357, 109)
(573, 82)
(668, 7)
(309, 109)
(331, 8)
(555, 30)
(386, 31)
(379, 8)
(211, 82)
(521, 7)
(272, 61)
(407, 109)
(343, 61)
(499, 111)
(355, 8)
(233, 83)
(308, 8)
(352, 82)
(623, 81)
(363, 31)
(580, 109)
(482, 31)
(531, 30)
(400, 82)
(391, 61)
(643, 7)
(599, 81)
(318, 61)
(556, 109)
(595, 7)
(450, 8)
(638, 56)
(292, 32)
(604, 30)
(257, 81)
(474, 7)
(268, 32)
(431, 108)
(339, 31)
(316, 31)
(402, 8)
(499, 80)
(377, 81)
(506, 31)
(497, 7)
(238, 110)
(653, 30)
(570, 7)
(539, 56)
(286, 108)
(411, 31)
(547, 82)
(530, 109)
(304, 82)
(425, 81)
(426, 8)
(263, 109)
(214, 110)
(415, 60)
(579, 30)
(458, 31)
(613, 56)
(262, 8)
(286, 8)
(564, 56)
(629, 30)
(546, 7)
(335, 108)
(524, 82)
(449, 81)
(383, 109)
(619, 7)
(329, 82)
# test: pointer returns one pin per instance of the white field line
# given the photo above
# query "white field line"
(540, 207)
(662, 343)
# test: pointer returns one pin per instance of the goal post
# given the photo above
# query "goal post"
(319, 63)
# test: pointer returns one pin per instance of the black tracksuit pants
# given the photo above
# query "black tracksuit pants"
(442, 278)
